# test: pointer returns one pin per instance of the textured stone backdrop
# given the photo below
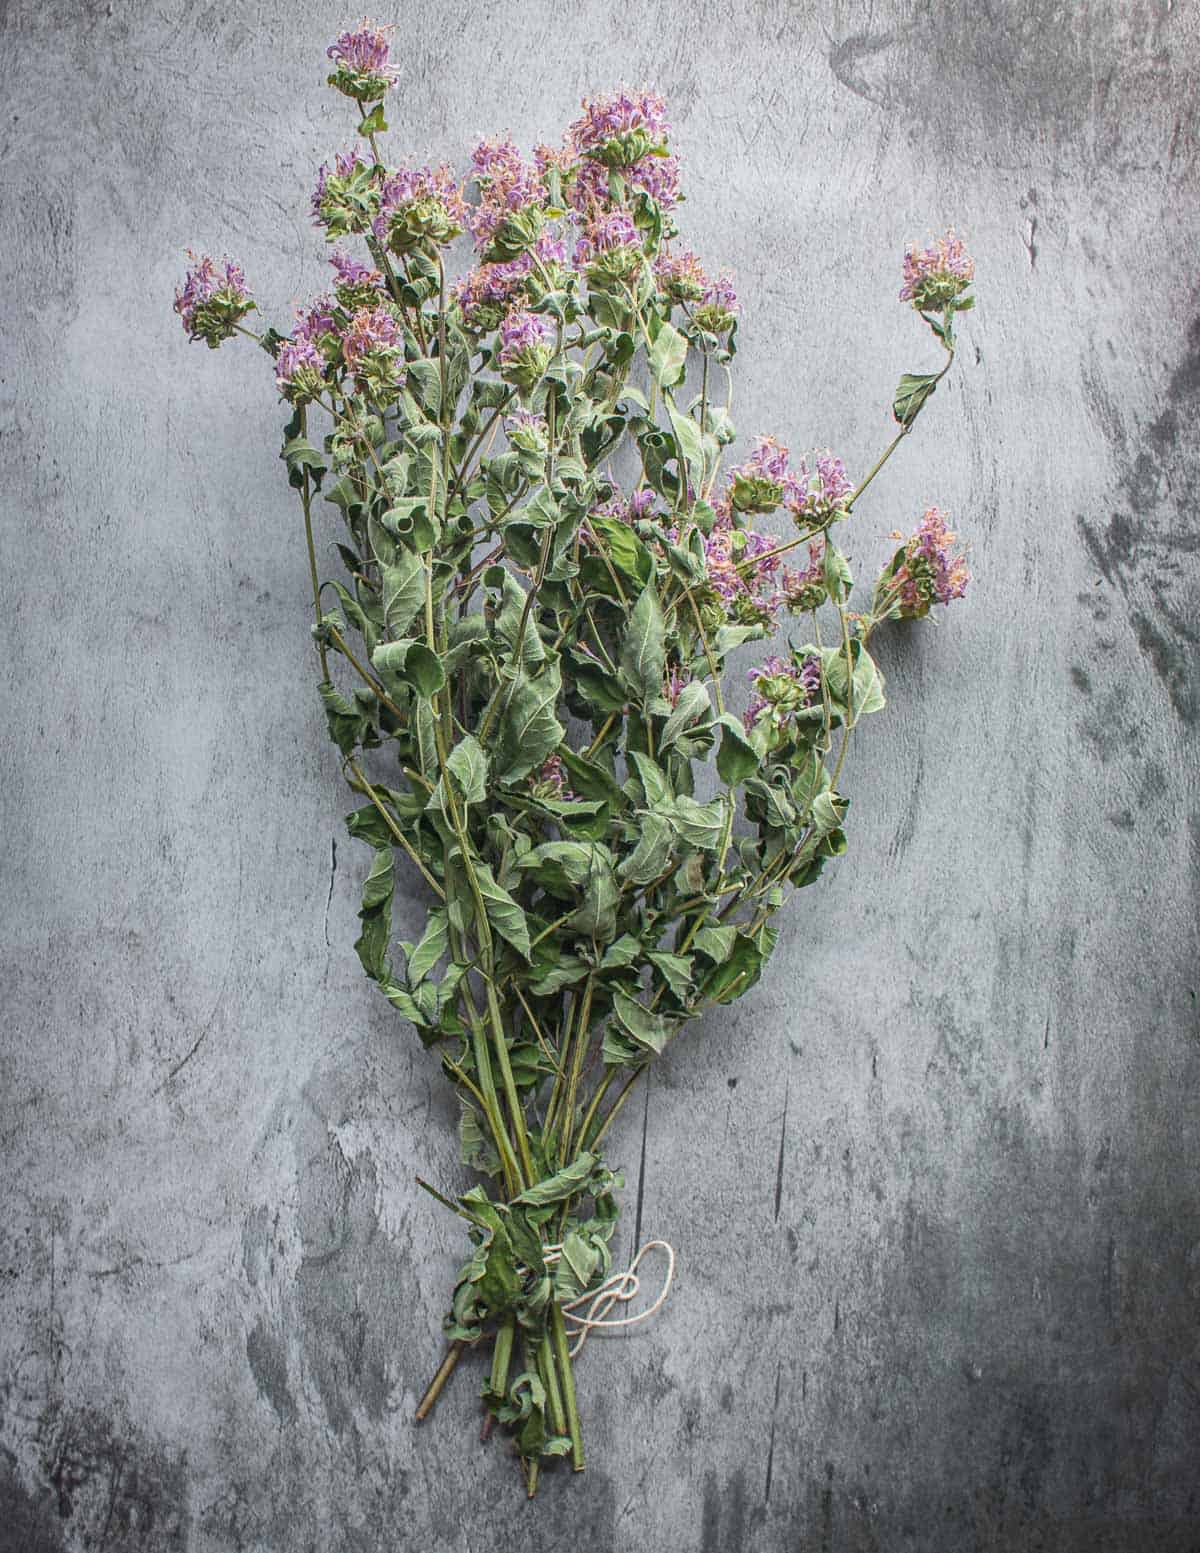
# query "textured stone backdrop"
(934, 1181)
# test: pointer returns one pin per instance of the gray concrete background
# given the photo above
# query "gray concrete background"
(934, 1182)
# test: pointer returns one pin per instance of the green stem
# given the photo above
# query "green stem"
(558, 1332)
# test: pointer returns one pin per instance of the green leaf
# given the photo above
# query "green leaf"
(424, 378)
(565, 1183)
(643, 650)
(737, 758)
(625, 550)
(653, 779)
(346, 723)
(914, 390)
(376, 915)
(505, 916)
(675, 969)
(702, 825)
(529, 730)
(597, 913)
(468, 765)
(692, 443)
(667, 356)
(828, 811)
(299, 455)
(692, 707)
(648, 1030)
(403, 591)
(423, 670)
(736, 975)
(431, 948)
(652, 855)
(374, 123)
(715, 942)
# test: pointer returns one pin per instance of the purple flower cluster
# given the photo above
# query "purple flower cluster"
(936, 275)
(926, 570)
(629, 509)
(212, 300)
(526, 345)
(609, 233)
(420, 206)
(373, 350)
(346, 197)
(510, 214)
(783, 685)
(682, 279)
(818, 494)
(357, 284)
(362, 67)
(302, 360)
(742, 567)
(758, 484)
(805, 589)
(617, 117)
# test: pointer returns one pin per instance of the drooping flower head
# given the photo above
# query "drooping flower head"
(609, 248)
(526, 345)
(783, 687)
(420, 207)
(817, 494)
(718, 308)
(346, 198)
(550, 782)
(527, 432)
(511, 213)
(299, 370)
(373, 350)
(212, 300)
(362, 69)
(926, 570)
(680, 276)
(357, 284)
(758, 484)
(805, 589)
(936, 275)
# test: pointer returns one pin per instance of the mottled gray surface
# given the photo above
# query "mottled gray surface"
(934, 1181)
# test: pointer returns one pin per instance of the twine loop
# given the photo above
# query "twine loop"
(617, 1289)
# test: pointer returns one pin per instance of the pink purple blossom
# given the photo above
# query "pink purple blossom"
(784, 686)
(741, 567)
(551, 782)
(758, 484)
(526, 345)
(616, 118)
(816, 493)
(804, 589)
(509, 216)
(357, 284)
(372, 348)
(212, 300)
(362, 68)
(926, 570)
(936, 275)
(419, 206)
(299, 370)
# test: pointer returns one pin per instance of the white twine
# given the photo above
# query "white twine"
(617, 1288)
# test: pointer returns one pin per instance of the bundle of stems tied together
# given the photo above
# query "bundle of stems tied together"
(543, 574)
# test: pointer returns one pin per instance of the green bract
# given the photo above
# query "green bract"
(525, 678)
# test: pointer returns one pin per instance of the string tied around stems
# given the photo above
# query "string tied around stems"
(619, 1288)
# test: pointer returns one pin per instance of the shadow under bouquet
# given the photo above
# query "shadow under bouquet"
(523, 658)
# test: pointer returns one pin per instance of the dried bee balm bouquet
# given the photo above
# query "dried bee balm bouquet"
(523, 657)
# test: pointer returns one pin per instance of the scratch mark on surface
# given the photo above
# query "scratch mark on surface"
(771, 1447)
(782, 1145)
(1046, 1033)
(332, 877)
(637, 1227)
(1027, 237)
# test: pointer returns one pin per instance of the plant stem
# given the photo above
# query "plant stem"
(558, 1332)
(436, 1385)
